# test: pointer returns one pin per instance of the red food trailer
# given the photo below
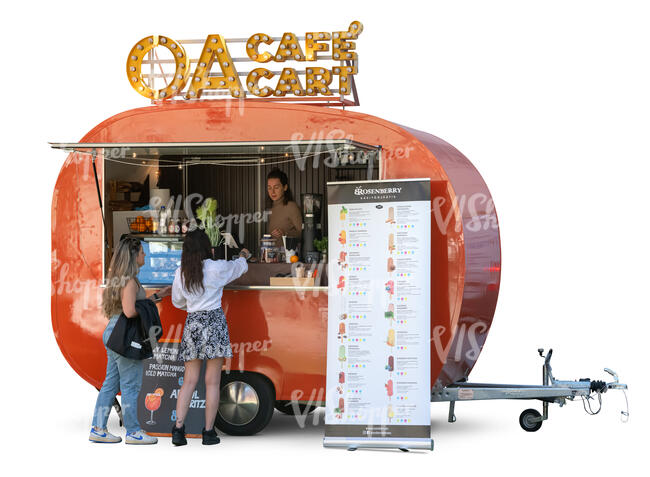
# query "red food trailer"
(224, 149)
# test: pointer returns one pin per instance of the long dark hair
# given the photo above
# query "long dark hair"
(196, 248)
(284, 180)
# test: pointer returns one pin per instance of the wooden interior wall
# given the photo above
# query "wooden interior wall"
(237, 195)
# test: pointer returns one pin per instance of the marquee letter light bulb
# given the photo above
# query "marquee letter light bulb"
(252, 82)
(345, 74)
(318, 80)
(289, 82)
(215, 48)
(341, 48)
(313, 43)
(134, 67)
(252, 48)
(289, 49)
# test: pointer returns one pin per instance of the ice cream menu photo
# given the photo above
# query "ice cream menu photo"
(378, 350)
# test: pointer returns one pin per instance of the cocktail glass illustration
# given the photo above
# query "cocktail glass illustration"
(152, 403)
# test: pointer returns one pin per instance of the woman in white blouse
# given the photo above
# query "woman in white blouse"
(197, 288)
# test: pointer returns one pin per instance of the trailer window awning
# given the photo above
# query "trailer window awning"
(232, 150)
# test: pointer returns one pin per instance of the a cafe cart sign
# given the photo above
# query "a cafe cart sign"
(214, 70)
(378, 348)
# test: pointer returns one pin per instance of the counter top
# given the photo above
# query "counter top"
(259, 274)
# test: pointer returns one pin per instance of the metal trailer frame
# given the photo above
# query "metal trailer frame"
(550, 391)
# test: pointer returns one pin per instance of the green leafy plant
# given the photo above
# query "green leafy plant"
(207, 213)
(321, 245)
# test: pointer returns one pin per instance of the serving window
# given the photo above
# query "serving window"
(182, 175)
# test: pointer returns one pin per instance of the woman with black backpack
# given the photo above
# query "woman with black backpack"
(123, 374)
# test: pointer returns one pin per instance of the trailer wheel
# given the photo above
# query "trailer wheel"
(528, 420)
(287, 407)
(245, 404)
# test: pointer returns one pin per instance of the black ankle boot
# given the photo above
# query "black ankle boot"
(210, 437)
(178, 435)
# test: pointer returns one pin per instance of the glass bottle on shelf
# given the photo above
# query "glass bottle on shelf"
(162, 225)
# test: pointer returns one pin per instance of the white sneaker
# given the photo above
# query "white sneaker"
(140, 437)
(103, 436)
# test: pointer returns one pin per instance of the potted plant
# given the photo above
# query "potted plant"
(207, 214)
(321, 246)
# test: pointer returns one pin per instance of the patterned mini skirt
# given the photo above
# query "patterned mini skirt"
(205, 336)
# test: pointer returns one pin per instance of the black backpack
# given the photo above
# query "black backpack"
(132, 337)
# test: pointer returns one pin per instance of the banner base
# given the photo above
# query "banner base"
(357, 443)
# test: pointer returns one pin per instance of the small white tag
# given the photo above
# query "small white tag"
(134, 344)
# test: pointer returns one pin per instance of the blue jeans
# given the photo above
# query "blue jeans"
(124, 375)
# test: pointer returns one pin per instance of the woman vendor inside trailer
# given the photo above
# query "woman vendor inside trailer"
(286, 217)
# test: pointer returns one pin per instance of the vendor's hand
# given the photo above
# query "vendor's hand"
(277, 233)
(166, 291)
(244, 253)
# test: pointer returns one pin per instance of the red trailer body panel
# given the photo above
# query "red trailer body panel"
(465, 244)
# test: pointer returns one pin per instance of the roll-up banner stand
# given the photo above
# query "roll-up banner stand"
(378, 350)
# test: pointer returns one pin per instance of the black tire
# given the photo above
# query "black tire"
(287, 408)
(526, 420)
(246, 403)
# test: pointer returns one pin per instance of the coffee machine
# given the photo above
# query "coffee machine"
(311, 226)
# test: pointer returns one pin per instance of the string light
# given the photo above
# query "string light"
(231, 163)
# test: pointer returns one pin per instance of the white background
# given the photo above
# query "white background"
(548, 99)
